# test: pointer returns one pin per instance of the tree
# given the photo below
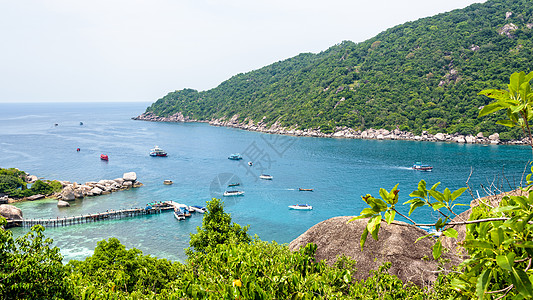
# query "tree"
(30, 268)
(217, 228)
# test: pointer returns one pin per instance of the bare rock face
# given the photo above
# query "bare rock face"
(10, 212)
(440, 137)
(67, 193)
(508, 30)
(410, 261)
(130, 176)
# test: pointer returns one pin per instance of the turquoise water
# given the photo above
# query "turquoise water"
(339, 170)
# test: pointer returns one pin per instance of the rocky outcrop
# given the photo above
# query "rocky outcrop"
(508, 30)
(340, 132)
(410, 261)
(62, 203)
(72, 191)
(35, 197)
(10, 212)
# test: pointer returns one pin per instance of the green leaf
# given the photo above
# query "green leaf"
(422, 186)
(384, 194)
(505, 209)
(490, 108)
(363, 238)
(437, 249)
(522, 283)
(437, 205)
(389, 216)
(477, 244)
(506, 262)
(458, 193)
(415, 205)
(423, 237)
(437, 195)
(482, 283)
(507, 123)
(451, 233)
(373, 226)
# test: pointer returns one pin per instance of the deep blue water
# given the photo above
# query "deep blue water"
(339, 170)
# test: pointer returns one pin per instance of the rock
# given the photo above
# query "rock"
(459, 139)
(410, 261)
(130, 176)
(479, 135)
(119, 180)
(78, 193)
(508, 30)
(494, 137)
(508, 14)
(96, 191)
(10, 212)
(470, 139)
(35, 197)
(67, 193)
(440, 137)
(62, 203)
(127, 183)
(31, 178)
(137, 184)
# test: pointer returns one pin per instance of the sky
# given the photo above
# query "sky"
(135, 50)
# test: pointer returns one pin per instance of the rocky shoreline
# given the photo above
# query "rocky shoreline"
(341, 132)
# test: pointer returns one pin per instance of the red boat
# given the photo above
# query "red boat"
(104, 157)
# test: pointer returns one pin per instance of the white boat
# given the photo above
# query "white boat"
(157, 152)
(233, 193)
(301, 206)
(198, 208)
(266, 177)
(179, 214)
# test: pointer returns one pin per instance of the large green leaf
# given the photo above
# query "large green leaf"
(437, 249)
(482, 283)
(506, 262)
(450, 232)
(507, 123)
(522, 283)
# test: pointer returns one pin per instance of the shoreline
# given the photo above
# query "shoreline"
(340, 132)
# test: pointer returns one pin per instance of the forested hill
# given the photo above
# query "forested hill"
(421, 75)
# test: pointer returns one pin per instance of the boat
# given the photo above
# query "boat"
(301, 206)
(233, 193)
(81, 123)
(250, 163)
(420, 167)
(305, 190)
(266, 177)
(198, 208)
(235, 156)
(186, 211)
(157, 152)
(168, 182)
(179, 214)
(234, 184)
(104, 157)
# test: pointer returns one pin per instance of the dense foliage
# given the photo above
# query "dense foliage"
(421, 75)
(12, 183)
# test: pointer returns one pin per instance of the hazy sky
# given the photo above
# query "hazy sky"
(133, 50)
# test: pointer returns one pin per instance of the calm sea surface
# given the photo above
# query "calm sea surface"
(339, 170)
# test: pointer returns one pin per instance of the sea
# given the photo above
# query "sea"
(42, 138)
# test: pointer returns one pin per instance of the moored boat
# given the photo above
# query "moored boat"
(420, 167)
(233, 193)
(178, 214)
(158, 152)
(266, 177)
(104, 157)
(198, 208)
(301, 206)
(235, 156)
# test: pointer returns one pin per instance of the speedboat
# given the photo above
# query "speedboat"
(301, 206)
(233, 193)
(266, 177)
(198, 208)
(157, 152)
(179, 214)
(420, 167)
(235, 156)
(168, 182)
(104, 157)
(305, 190)
(234, 184)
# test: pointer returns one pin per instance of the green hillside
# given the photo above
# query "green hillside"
(421, 75)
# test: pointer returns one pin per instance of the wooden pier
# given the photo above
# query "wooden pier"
(108, 215)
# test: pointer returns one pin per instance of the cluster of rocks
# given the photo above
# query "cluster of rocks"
(341, 132)
(10, 212)
(72, 191)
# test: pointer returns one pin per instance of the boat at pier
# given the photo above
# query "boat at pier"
(178, 214)
(198, 208)
(158, 152)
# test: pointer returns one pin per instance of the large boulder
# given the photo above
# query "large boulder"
(10, 212)
(410, 261)
(68, 194)
(130, 176)
(62, 203)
